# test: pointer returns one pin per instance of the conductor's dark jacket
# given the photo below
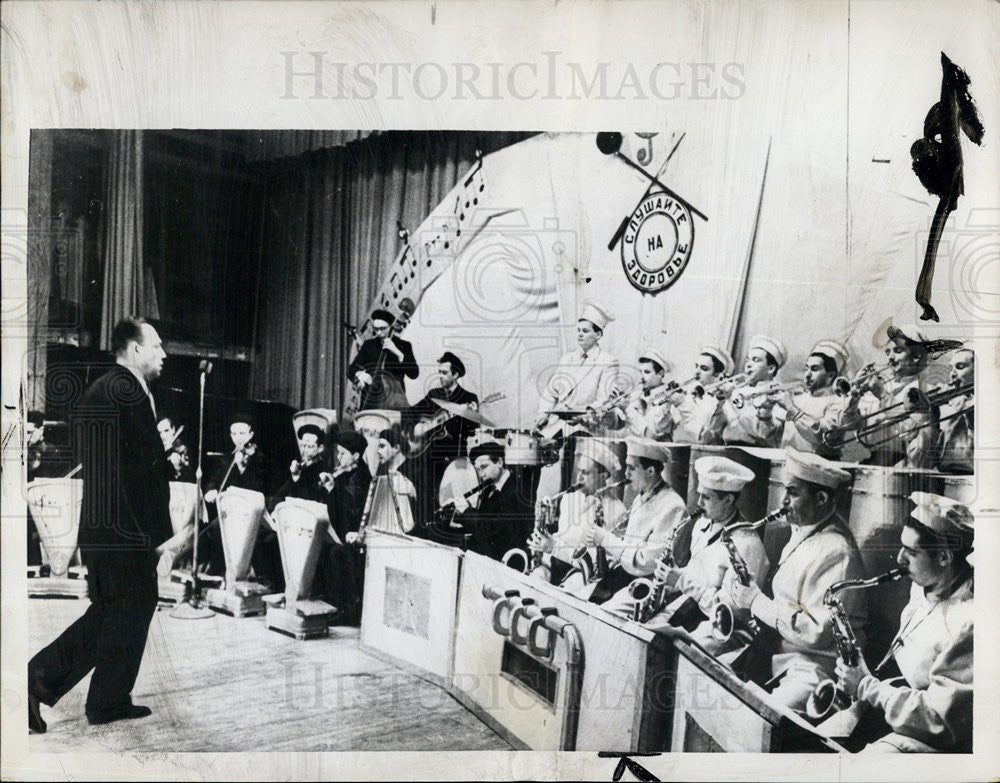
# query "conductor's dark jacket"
(126, 494)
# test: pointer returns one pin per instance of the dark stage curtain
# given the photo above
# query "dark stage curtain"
(329, 233)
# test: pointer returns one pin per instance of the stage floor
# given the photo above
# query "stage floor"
(225, 684)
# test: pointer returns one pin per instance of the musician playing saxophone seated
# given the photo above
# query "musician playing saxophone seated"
(820, 552)
(710, 565)
(597, 465)
(652, 516)
(929, 708)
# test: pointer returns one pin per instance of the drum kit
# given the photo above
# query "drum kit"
(55, 507)
(240, 515)
(302, 526)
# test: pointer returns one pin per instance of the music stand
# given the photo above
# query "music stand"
(192, 608)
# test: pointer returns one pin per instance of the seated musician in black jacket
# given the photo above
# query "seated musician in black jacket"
(246, 467)
(505, 516)
(177, 450)
(340, 577)
(304, 474)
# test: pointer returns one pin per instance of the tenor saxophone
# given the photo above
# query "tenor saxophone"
(651, 595)
(724, 623)
(828, 697)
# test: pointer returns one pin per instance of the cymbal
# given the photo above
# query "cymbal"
(465, 412)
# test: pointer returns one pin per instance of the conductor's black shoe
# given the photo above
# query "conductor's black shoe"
(125, 712)
(35, 723)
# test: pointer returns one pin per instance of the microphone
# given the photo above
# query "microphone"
(205, 366)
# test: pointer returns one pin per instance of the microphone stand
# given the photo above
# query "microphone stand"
(191, 608)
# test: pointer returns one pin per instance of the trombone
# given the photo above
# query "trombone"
(936, 396)
(741, 398)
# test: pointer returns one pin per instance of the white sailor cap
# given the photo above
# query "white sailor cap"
(722, 355)
(721, 474)
(597, 314)
(941, 514)
(651, 349)
(322, 418)
(774, 348)
(600, 452)
(644, 447)
(836, 351)
(814, 469)
(909, 332)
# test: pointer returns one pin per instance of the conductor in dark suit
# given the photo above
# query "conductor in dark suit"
(124, 519)
(381, 365)
(505, 517)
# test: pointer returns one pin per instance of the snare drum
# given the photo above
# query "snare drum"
(240, 513)
(484, 435)
(55, 506)
(521, 448)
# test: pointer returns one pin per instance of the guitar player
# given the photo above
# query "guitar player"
(445, 442)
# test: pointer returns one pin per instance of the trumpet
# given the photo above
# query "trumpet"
(863, 378)
(724, 622)
(741, 398)
(672, 387)
(828, 698)
(698, 391)
(651, 595)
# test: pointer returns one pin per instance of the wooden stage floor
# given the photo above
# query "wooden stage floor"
(225, 684)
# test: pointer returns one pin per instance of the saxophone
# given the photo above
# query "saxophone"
(724, 622)
(651, 595)
(598, 569)
(828, 698)
(517, 558)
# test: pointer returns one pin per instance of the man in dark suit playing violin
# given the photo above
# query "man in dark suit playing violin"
(434, 447)
(381, 365)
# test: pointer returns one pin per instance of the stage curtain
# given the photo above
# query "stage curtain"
(125, 285)
(274, 144)
(329, 234)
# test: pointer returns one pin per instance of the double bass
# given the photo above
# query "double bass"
(388, 389)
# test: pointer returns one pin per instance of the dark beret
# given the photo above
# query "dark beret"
(383, 315)
(305, 429)
(454, 361)
(354, 442)
(492, 450)
(242, 418)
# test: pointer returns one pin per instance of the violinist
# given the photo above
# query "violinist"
(382, 364)
(340, 576)
(177, 450)
(304, 473)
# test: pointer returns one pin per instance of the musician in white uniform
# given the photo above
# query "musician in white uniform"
(648, 412)
(696, 415)
(584, 376)
(597, 466)
(821, 551)
(908, 356)
(810, 416)
(652, 516)
(929, 708)
(754, 423)
(720, 481)
(954, 447)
